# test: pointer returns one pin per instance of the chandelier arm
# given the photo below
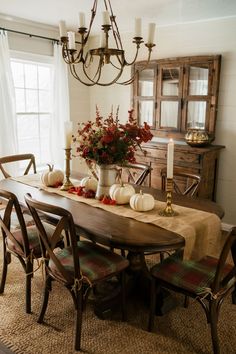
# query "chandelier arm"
(74, 74)
(131, 79)
(93, 11)
(97, 74)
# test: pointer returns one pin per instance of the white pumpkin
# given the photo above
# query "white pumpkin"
(121, 193)
(89, 183)
(142, 201)
(52, 178)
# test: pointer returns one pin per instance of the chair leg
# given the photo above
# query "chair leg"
(123, 294)
(152, 305)
(6, 261)
(186, 301)
(213, 323)
(47, 289)
(29, 271)
(78, 318)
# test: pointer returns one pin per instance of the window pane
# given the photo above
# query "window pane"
(196, 114)
(170, 82)
(44, 77)
(44, 101)
(20, 100)
(18, 74)
(169, 114)
(44, 151)
(29, 145)
(31, 76)
(146, 112)
(198, 81)
(146, 83)
(31, 100)
(27, 126)
(44, 126)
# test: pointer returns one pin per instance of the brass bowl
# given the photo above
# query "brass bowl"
(197, 137)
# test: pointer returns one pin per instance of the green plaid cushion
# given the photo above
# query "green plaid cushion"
(192, 276)
(32, 237)
(96, 262)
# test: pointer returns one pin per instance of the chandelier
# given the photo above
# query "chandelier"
(90, 66)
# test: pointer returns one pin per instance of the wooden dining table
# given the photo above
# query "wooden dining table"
(115, 231)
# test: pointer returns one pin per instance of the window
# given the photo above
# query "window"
(33, 91)
(176, 94)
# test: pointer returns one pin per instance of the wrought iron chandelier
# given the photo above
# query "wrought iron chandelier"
(89, 66)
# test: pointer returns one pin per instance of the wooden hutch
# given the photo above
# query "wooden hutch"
(173, 96)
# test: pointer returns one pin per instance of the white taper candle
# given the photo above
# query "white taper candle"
(68, 134)
(62, 29)
(138, 28)
(151, 33)
(170, 158)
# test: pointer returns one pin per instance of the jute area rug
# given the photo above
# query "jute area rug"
(180, 331)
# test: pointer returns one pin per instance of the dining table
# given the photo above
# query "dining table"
(107, 228)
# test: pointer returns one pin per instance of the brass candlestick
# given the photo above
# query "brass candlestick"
(67, 184)
(168, 211)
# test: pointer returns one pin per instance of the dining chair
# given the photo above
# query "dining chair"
(28, 158)
(79, 266)
(136, 173)
(184, 183)
(7, 161)
(208, 281)
(21, 242)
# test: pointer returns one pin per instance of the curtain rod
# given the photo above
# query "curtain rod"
(30, 35)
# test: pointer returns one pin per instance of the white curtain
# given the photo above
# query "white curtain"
(8, 137)
(61, 111)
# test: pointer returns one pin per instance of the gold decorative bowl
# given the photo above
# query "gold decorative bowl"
(197, 137)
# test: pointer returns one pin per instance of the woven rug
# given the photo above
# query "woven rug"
(180, 331)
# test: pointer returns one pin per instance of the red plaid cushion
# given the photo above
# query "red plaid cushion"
(95, 262)
(32, 237)
(193, 276)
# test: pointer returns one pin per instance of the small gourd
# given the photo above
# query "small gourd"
(121, 193)
(52, 178)
(142, 201)
(89, 183)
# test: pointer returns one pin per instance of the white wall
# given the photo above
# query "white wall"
(212, 37)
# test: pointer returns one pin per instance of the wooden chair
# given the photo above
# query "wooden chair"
(136, 173)
(208, 281)
(30, 166)
(21, 242)
(79, 266)
(16, 158)
(183, 182)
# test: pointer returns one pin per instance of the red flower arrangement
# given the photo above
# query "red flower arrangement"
(106, 141)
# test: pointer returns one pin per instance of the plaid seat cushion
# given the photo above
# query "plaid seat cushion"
(96, 262)
(32, 237)
(15, 222)
(193, 276)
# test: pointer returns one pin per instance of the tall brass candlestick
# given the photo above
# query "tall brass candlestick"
(67, 184)
(168, 211)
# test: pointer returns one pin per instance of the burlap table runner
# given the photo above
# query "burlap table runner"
(201, 230)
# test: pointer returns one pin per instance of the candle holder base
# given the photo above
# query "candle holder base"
(168, 211)
(66, 185)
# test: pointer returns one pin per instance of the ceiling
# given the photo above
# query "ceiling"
(163, 12)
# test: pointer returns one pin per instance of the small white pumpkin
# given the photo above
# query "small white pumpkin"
(89, 183)
(121, 193)
(142, 201)
(52, 178)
